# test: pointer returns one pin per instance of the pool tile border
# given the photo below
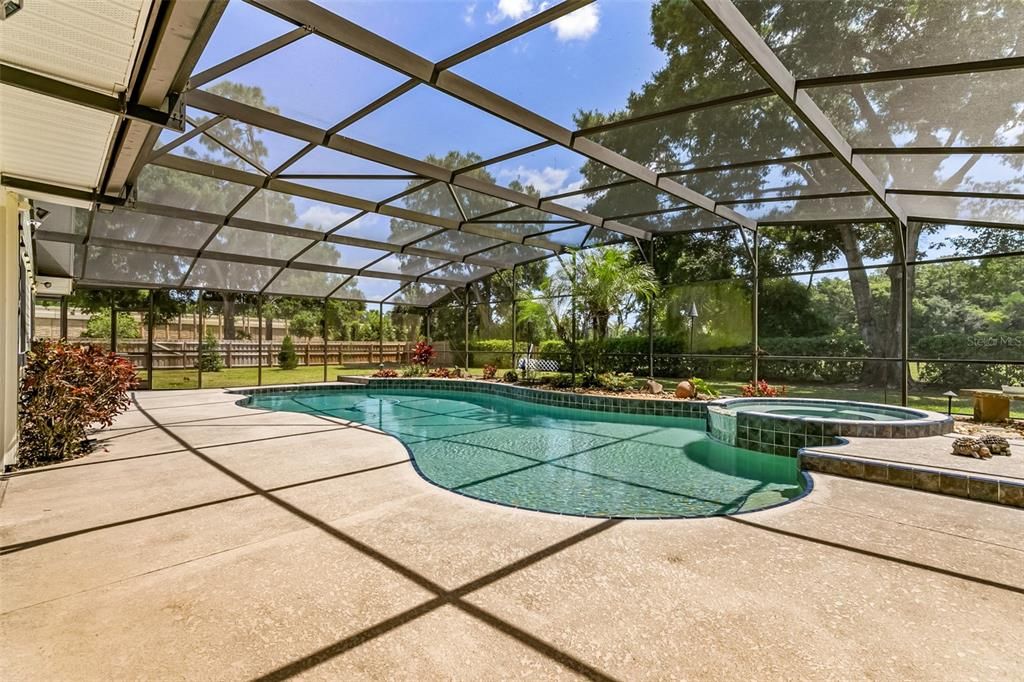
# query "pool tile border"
(691, 409)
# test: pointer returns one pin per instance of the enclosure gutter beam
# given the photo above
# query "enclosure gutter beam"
(176, 35)
(358, 39)
(731, 23)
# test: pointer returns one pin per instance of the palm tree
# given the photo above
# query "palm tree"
(606, 281)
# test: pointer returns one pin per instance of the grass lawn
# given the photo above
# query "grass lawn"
(246, 376)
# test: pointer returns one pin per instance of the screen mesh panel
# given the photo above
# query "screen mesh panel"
(460, 141)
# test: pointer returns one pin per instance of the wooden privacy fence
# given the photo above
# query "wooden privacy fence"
(185, 354)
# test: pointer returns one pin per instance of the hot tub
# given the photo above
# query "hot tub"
(783, 426)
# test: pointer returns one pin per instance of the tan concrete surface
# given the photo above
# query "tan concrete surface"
(935, 452)
(234, 544)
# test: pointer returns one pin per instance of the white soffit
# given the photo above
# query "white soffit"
(92, 43)
(53, 141)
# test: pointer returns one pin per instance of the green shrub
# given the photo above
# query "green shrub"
(209, 355)
(614, 381)
(561, 381)
(98, 326)
(497, 352)
(703, 387)
(286, 357)
(414, 370)
(511, 377)
(65, 390)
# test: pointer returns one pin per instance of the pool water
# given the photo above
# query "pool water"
(562, 460)
(824, 411)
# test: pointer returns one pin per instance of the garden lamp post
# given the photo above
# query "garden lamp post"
(949, 402)
(692, 314)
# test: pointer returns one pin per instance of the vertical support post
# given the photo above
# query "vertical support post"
(572, 335)
(515, 315)
(904, 316)
(465, 328)
(200, 333)
(64, 317)
(429, 311)
(259, 340)
(323, 329)
(755, 305)
(150, 327)
(381, 334)
(113, 323)
(650, 320)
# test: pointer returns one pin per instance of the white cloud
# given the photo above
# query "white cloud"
(578, 25)
(547, 180)
(577, 201)
(510, 9)
(469, 15)
(324, 217)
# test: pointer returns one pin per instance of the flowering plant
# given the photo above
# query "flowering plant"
(386, 373)
(762, 389)
(490, 371)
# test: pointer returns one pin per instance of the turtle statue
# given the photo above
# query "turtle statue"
(971, 447)
(997, 445)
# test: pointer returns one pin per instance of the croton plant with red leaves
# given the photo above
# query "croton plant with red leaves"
(422, 353)
(66, 389)
(762, 389)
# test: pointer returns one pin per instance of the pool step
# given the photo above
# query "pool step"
(994, 489)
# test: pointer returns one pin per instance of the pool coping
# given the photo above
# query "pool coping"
(939, 480)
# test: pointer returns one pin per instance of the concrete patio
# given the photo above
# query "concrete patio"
(209, 541)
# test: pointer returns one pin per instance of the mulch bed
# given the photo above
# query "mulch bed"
(1012, 429)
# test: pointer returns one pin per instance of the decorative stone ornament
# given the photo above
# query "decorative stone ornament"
(654, 387)
(997, 445)
(685, 389)
(971, 447)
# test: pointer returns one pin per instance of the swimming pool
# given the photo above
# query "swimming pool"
(558, 459)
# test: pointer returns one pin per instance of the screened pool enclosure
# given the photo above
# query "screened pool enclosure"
(824, 195)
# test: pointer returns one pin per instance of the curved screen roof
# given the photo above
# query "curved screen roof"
(349, 150)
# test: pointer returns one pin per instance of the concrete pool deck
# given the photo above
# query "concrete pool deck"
(207, 540)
